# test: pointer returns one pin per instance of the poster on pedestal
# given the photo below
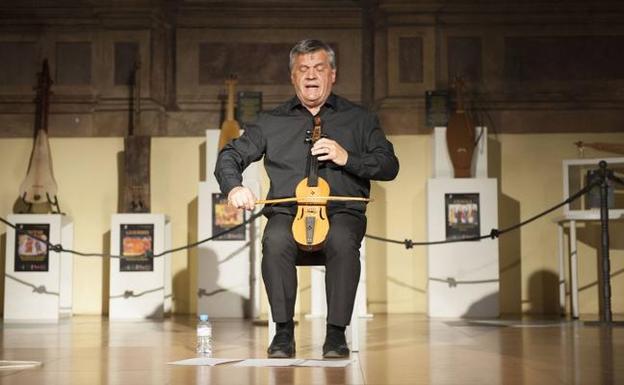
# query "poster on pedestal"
(462, 215)
(224, 217)
(31, 254)
(136, 244)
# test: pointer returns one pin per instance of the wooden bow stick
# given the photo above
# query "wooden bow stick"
(312, 199)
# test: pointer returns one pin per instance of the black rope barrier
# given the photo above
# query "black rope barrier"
(59, 248)
(494, 233)
(408, 243)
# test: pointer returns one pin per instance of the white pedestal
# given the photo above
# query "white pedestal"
(140, 294)
(442, 166)
(463, 276)
(228, 280)
(39, 295)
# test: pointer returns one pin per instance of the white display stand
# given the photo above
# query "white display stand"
(573, 172)
(442, 166)
(228, 279)
(141, 294)
(573, 219)
(463, 277)
(40, 295)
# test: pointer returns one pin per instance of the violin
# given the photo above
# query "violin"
(310, 226)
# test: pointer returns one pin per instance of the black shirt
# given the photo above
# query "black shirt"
(279, 136)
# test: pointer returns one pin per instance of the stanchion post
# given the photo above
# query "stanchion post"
(605, 315)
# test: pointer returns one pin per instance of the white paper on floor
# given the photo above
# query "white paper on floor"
(263, 362)
(269, 362)
(203, 361)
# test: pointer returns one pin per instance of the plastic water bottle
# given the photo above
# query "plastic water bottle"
(204, 336)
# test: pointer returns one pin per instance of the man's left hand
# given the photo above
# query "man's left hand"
(328, 149)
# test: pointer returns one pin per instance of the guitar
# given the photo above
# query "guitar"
(230, 129)
(39, 186)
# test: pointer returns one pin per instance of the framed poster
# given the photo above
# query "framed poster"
(224, 217)
(248, 105)
(137, 247)
(437, 108)
(462, 215)
(32, 254)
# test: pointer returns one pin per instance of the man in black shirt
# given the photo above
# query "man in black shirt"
(354, 151)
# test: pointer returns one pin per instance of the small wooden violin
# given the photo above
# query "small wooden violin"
(310, 226)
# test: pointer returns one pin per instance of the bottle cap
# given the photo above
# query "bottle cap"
(203, 317)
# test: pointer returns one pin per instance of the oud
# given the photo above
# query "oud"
(230, 129)
(39, 186)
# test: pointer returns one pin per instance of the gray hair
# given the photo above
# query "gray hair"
(309, 46)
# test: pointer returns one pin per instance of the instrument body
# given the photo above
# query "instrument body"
(311, 224)
(230, 129)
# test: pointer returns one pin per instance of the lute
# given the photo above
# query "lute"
(39, 186)
(460, 136)
(230, 129)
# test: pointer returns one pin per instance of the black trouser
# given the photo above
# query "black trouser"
(342, 272)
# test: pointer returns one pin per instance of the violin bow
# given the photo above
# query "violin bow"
(312, 199)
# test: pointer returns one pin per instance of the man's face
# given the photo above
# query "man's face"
(313, 78)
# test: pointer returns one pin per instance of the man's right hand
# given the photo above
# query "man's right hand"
(242, 198)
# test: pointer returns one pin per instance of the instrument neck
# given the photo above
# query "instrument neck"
(230, 101)
(43, 99)
(312, 167)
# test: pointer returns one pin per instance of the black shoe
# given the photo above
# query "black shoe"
(283, 344)
(335, 345)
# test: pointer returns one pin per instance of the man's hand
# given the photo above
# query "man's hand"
(242, 198)
(328, 149)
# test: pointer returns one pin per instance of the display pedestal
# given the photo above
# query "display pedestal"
(463, 277)
(36, 289)
(228, 274)
(139, 287)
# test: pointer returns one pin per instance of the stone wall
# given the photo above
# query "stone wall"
(538, 67)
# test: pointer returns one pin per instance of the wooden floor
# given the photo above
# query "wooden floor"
(396, 349)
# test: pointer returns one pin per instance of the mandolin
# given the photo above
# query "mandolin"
(230, 129)
(460, 136)
(39, 186)
(311, 225)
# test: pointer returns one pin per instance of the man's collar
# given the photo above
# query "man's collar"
(331, 102)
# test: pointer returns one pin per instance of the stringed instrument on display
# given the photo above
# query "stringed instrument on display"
(230, 129)
(135, 194)
(39, 186)
(311, 225)
(460, 136)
